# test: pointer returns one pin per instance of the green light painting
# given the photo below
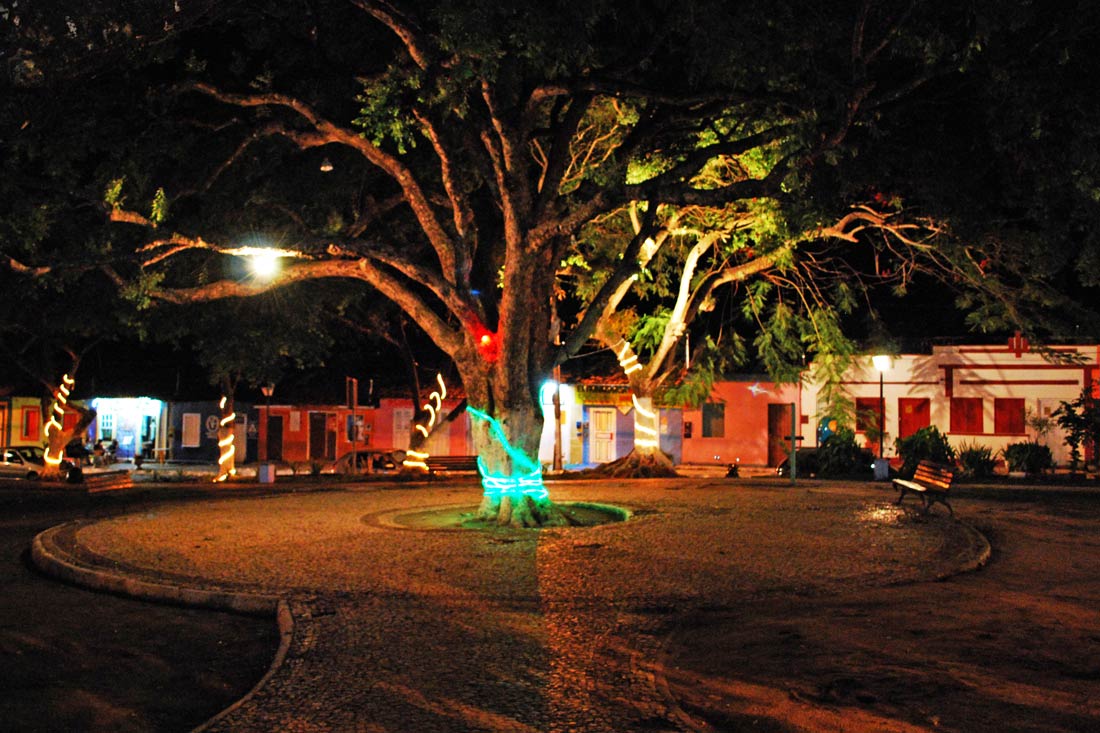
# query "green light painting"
(528, 482)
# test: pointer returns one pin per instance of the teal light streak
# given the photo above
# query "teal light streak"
(496, 485)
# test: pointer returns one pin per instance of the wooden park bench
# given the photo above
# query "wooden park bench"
(438, 464)
(107, 481)
(931, 482)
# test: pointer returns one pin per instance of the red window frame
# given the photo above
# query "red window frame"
(967, 415)
(867, 414)
(32, 423)
(1009, 416)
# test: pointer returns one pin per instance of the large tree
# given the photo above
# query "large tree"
(464, 167)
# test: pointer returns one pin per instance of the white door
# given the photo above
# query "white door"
(402, 423)
(602, 434)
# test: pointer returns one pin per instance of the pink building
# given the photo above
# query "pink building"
(747, 421)
(308, 433)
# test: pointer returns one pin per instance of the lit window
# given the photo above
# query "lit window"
(106, 427)
(1008, 416)
(714, 420)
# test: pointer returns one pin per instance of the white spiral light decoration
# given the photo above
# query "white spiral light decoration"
(628, 360)
(645, 426)
(226, 444)
(434, 406)
(57, 414)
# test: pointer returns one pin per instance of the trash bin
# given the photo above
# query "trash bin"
(882, 469)
(267, 473)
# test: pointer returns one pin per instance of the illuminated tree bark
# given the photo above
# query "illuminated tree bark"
(56, 437)
(227, 440)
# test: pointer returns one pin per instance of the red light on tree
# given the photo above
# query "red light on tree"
(487, 343)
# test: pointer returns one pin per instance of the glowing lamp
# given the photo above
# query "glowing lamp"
(264, 264)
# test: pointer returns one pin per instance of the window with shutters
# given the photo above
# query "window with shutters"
(966, 415)
(1008, 416)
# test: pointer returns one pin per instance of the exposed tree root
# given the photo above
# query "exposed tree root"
(637, 465)
(523, 512)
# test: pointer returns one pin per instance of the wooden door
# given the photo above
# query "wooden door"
(914, 413)
(1056, 438)
(779, 432)
(320, 444)
(274, 447)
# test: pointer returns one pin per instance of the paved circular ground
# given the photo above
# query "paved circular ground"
(403, 629)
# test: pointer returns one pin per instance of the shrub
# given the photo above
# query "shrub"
(1030, 457)
(976, 461)
(839, 455)
(1080, 419)
(927, 444)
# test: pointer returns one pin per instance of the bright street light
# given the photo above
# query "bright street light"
(264, 264)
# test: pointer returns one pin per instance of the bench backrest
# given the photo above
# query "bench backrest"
(934, 474)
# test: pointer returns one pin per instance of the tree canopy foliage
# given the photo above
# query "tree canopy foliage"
(453, 155)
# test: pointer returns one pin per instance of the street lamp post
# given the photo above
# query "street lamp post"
(267, 390)
(882, 363)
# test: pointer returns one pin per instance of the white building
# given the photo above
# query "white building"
(975, 395)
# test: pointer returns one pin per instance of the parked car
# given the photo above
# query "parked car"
(806, 463)
(30, 461)
(380, 462)
(809, 465)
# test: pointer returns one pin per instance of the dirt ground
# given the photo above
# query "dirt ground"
(1014, 646)
(74, 660)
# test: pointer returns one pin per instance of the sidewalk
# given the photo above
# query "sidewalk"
(396, 629)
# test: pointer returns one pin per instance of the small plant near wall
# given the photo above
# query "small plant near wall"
(976, 461)
(1030, 457)
(927, 444)
(1080, 419)
(1039, 424)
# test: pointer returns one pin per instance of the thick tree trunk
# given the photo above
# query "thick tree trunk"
(506, 426)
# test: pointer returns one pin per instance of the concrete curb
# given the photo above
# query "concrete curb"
(285, 620)
(980, 551)
(50, 557)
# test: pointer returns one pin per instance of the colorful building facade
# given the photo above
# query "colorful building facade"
(975, 395)
(989, 396)
(319, 433)
(21, 421)
(745, 421)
